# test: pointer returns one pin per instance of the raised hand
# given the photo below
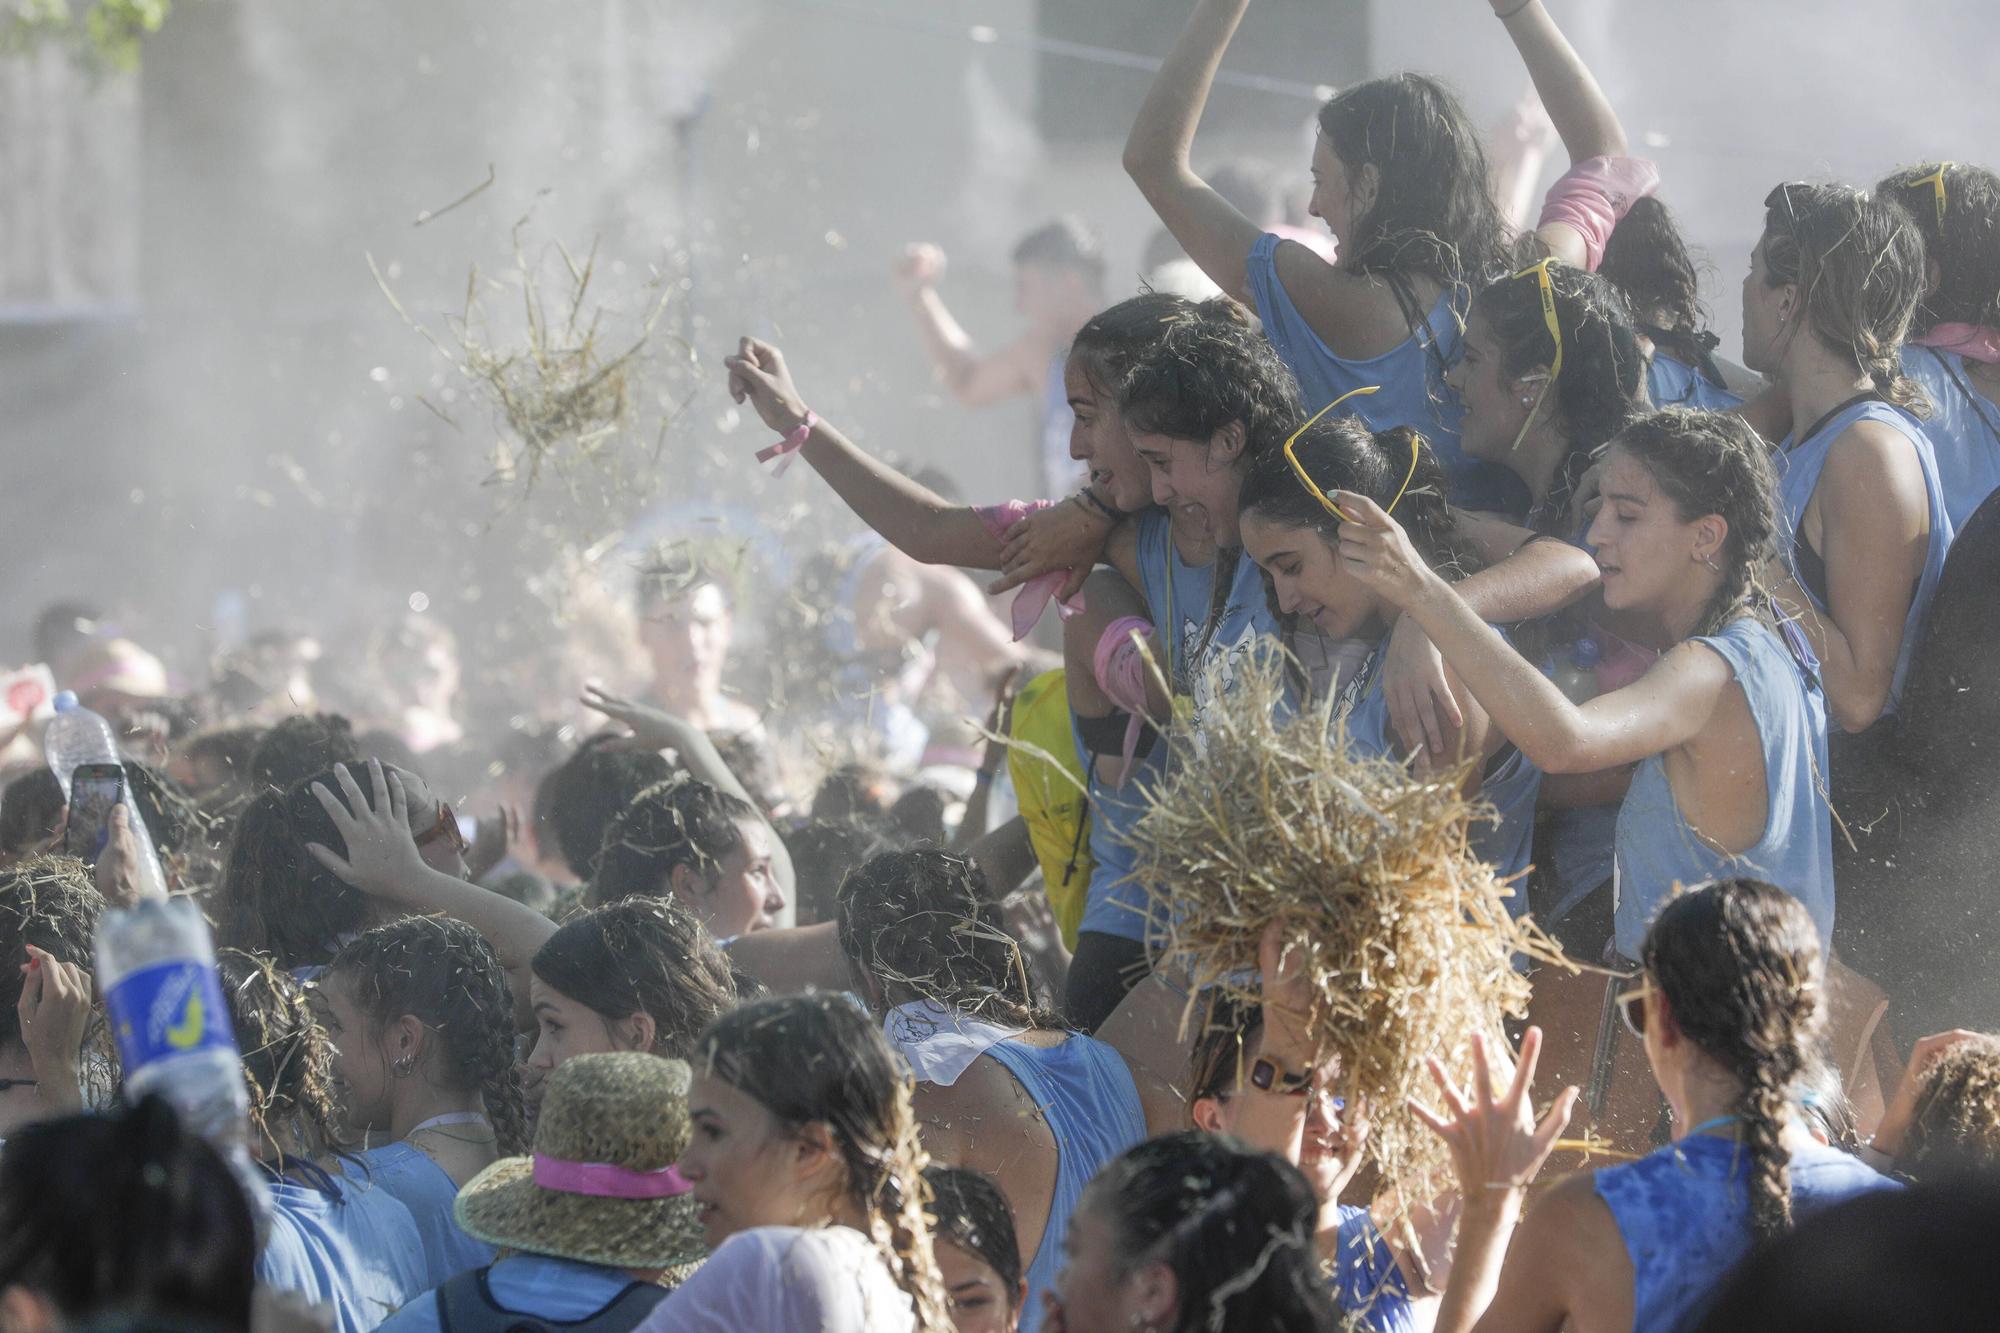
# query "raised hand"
(117, 871)
(1375, 549)
(652, 728)
(758, 376)
(1495, 1142)
(920, 265)
(54, 1012)
(382, 858)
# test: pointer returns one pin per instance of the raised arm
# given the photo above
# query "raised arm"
(974, 380)
(1576, 105)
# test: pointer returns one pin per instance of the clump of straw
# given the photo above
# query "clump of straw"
(1265, 818)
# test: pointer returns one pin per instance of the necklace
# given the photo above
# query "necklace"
(437, 1124)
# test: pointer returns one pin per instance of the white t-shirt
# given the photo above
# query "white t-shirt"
(783, 1279)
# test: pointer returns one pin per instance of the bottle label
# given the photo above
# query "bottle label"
(166, 1010)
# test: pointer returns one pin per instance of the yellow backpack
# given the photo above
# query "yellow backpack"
(1049, 786)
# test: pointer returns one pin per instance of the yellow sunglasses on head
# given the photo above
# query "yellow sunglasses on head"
(1936, 181)
(1292, 456)
(1548, 294)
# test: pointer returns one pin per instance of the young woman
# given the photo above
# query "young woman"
(1001, 1088)
(1730, 1001)
(1954, 345)
(710, 851)
(422, 1026)
(1944, 1119)
(687, 625)
(1647, 261)
(805, 1163)
(1400, 179)
(1192, 1232)
(48, 919)
(119, 1216)
(1293, 533)
(978, 1258)
(335, 1239)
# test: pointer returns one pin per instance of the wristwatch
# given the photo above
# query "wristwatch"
(1270, 1076)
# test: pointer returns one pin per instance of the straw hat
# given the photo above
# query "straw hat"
(600, 1187)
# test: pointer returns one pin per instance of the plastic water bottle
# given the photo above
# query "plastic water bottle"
(156, 970)
(1577, 677)
(77, 736)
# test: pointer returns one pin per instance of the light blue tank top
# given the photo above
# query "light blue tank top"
(346, 1245)
(1963, 427)
(1504, 841)
(1177, 599)
(1117, 904)
(1684, 1214)
(1800, 464)
(1086, 1094)
(557, 1291)
(425, 1189)
(1671, 382)
(1657, 850)
(1411, 375)
(1365, 1281)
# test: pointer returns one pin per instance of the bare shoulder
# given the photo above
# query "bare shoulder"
(1357, 315)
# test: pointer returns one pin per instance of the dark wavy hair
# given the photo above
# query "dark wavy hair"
(969, 1210)
(1955, 1128)
(287, 1056)
(1114, 339)
(1648, 261)
(48, 902)
(1738, 960)
(444, 973)
(579, 800)
(1433, 213)
(1859, 264)
(1965, 245)
(1235, 1225)
(642, 955)
(679, 822)
(1603, 380)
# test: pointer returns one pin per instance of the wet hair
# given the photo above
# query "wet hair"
(1114, 339)
(1340, 453)
(1647, 260)
(817, 1059)
(642, 955)
(31, 808)
(1603, 380)
(1065, 242)
(1858, 262)
(1433, 213)
(444, 974)
(298, 747)
(1738, 961)
(924, 923)
(1955, 1128)
(48, 902)
(822, 852)
(1713, 463)
(577, 802)
(230, 748)
(1235, 1225)
(287, 1056)
(127, 1213)
(679, 822)
(1966, 247)
(969, 1210)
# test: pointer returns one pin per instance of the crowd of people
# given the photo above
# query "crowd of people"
(825, 992)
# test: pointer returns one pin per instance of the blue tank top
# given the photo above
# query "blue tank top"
(423, 1187)
(1963, 427)
(1656, 849)
(1671, 382)
(544, 1288)
(1178, 596)
(346, 1245)
(1116, 904)
(1800, 463)
(1684, 1214)
(1365, 1280)
(1411, 375)
(1086, 1094)
(1505, 840)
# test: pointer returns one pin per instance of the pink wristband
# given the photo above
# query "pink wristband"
(791, 444)
(1034, 596)
(1120, 669)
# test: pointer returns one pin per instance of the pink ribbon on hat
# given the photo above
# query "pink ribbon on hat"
(605, 1180)
(791, 444)
(1034, 596)
(1971, 341)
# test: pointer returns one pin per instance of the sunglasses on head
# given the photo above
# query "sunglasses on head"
(1936, 181)
(1632, 1008)
(1305, 479)
(1547, 291)
(445, 827)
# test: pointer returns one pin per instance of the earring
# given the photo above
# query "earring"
(404, 1067)
(1527, 400)
(1710, 562)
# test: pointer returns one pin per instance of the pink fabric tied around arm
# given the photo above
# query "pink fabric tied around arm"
(1034, 596)
(1594, 194)
(1120, 669)
(1970, 341)
(606, 1180)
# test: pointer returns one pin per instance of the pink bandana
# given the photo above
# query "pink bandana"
(1970, 341)
(1034, 596)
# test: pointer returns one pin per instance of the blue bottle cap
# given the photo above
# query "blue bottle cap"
(65, 701)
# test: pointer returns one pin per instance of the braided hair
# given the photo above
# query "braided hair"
(817, 1059)
(1713, 463)
(1859, 264)
(925, 923)
(1965, 244)
(1647, 260)
(1235, 1225)
(642, 955)
(1738, 961)
(444, 974)
(287, 1057)
(1603, 377)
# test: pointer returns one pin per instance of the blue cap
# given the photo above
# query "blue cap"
(65, 701)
